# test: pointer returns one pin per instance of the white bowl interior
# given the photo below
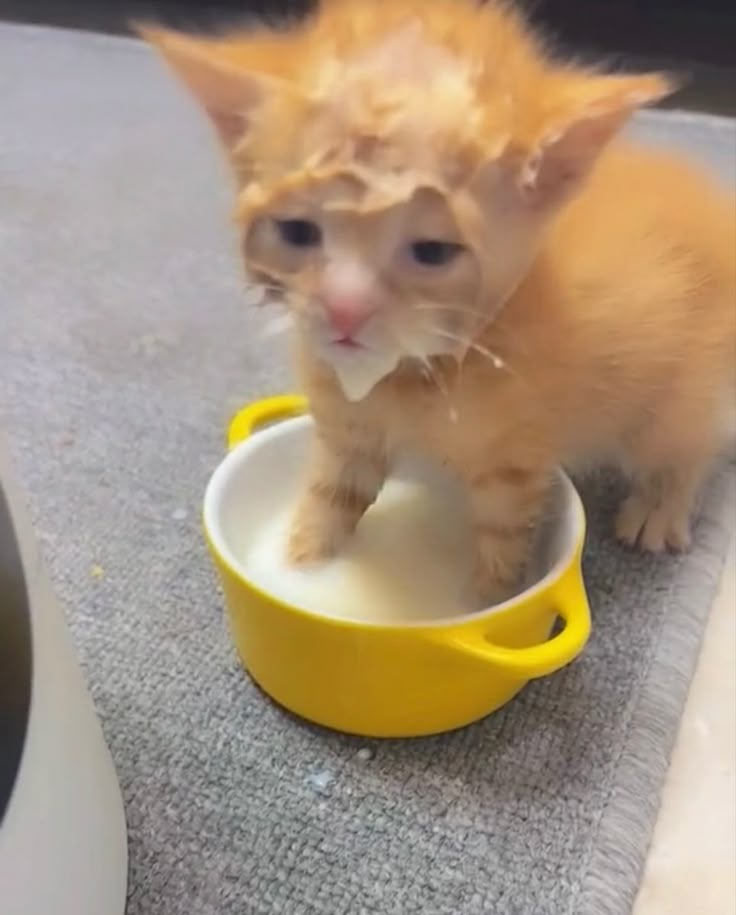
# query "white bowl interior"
(410, 556)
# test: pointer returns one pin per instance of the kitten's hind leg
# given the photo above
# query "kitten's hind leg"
(656, 514)
(670, 458)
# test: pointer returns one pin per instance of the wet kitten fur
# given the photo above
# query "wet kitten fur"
(592, 315)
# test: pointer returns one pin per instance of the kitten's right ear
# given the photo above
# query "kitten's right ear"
(591, 112)
(227, 93)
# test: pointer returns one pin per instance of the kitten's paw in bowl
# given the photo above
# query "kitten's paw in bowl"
(310, 545)
(485, 590)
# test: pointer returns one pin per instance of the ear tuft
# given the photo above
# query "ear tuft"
(227, 92)
(593, 112)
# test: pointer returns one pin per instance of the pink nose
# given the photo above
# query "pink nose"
(347, 313)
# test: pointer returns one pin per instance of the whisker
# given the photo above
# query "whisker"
(436, 306)
(499, 328)
(260, 295)
(439, 383)
(278, 324)
(495, 360)
(513, 339)
(276, 295)
(429, 369)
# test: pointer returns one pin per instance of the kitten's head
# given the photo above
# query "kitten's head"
(397, 164)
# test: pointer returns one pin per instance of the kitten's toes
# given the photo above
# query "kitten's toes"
(309, 545)
(663, 531)
(653, 530)
(630, 520)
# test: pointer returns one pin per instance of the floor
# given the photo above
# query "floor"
(691, 863)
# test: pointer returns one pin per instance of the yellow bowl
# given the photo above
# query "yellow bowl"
(373, 679)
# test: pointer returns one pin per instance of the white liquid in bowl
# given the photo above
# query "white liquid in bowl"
(411, 556)
(408, 561)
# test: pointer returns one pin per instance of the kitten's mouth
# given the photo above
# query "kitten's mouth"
(347, 343)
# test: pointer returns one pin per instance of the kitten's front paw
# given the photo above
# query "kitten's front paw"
(309, 545)
(652, 529)
(485, 590)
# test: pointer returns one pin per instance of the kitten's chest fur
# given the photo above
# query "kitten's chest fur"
(453, 415)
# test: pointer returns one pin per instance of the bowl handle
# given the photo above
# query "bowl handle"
(262, 412)
(571, 603)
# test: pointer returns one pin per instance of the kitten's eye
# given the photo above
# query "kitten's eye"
(432, 253)
(299, 233)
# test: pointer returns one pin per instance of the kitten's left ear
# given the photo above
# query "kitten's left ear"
(592, 111)
(228, 93)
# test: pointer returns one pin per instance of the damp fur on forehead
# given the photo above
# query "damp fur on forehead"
(406, 75)
(390, 138)
(439, 87)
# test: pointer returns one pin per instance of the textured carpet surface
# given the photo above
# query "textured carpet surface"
(124, 346)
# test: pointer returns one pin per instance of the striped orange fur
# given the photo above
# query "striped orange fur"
(586, 310)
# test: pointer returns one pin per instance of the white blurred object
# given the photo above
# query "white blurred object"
(63, 846)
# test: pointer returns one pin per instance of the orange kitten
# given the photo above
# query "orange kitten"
(473, 268)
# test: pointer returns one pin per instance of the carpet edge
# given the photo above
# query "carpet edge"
(613, 877)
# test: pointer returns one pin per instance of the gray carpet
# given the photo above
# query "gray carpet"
(124, 346)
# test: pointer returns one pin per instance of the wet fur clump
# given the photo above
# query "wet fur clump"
(475, 265)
